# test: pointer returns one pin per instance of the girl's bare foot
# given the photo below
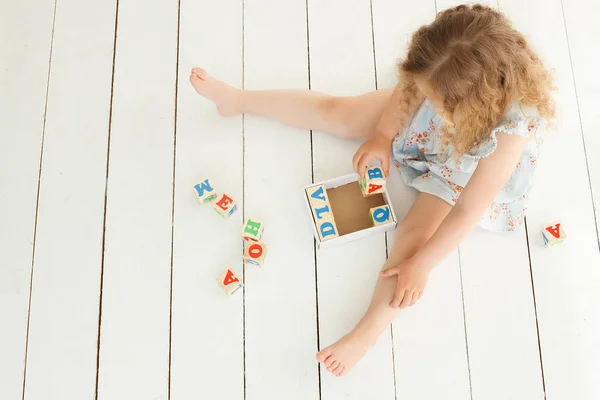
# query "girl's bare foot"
(342, 356)
(226, 98)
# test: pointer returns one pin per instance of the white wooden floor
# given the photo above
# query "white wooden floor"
(108, 262)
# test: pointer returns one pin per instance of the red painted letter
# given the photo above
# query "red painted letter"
(255, 250)
(555, 231)
(230, 278)
(224, 202)
(373, 187)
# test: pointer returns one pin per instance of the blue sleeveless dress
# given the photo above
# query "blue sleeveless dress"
(427, 165)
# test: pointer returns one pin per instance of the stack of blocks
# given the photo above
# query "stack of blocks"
(322, 212)
(373, 182)
(553, 234)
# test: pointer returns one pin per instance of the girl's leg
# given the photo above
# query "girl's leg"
(424, 217)
(348, 117)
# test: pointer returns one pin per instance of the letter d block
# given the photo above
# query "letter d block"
(255, 253)
(224, 205)
(322, 212)
(204, 192)
(381, 215)
(229, 282)
(373, 182)
(252, 230)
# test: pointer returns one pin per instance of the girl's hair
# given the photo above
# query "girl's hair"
(478, 64)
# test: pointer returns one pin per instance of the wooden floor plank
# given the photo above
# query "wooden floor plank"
(566, 277)
(134, 343)
(429, 339)
(584, 34)
(25, 42)
(280, 298)
(341, 63)
(207, 329)
(63, 333)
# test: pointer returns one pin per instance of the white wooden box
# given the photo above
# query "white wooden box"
(349, 235)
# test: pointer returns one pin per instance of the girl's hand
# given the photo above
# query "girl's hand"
(412, 278)
(380, 147)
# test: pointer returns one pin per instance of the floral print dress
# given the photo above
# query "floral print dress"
(426, 163)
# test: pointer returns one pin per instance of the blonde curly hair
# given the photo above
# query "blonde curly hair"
(478, 64)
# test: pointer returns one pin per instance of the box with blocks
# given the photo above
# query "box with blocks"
(341, 211)
(553, 234)
(373, 182)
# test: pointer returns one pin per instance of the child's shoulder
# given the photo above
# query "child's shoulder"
(520, 119)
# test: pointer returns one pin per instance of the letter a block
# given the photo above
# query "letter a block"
(373, 182)
(255, 253)
(381, 215)
(252, 230)
(553, 234)
(204, 192)
(322, 212)
(224, 205)
(229, 282)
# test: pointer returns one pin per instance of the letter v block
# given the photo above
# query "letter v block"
(381, 215)
(373, 182)
(204, 192)
(252, 230)
(229, 282)
(255, 253)
(553, 234)
(322, 212)
(224, 205)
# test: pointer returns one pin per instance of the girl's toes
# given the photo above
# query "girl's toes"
(333, 366)
(342, 372)
(322, 355)
(330, 360)
(337, 370)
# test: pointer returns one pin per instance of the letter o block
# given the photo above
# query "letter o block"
(255, 253)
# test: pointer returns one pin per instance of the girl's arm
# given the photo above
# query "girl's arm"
(402, 104)
(489, 178)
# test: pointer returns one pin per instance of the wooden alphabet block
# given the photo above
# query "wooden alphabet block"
(255, 253)
(381, 215)
(553, 234)
(322, 212)
(224, 205)
(252, 230)
(373, 182)
(204, 192)
(229, 282)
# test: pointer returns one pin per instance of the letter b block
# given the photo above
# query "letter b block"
(373, 182)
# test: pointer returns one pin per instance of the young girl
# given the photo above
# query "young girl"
(470, 100)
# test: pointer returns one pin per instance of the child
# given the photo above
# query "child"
(468, 105)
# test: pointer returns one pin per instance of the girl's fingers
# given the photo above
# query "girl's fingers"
(389, 272)
(415, 298)
(407, 299)
(385, 163)
(398, 298)
(355, 159)
(362, 163)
